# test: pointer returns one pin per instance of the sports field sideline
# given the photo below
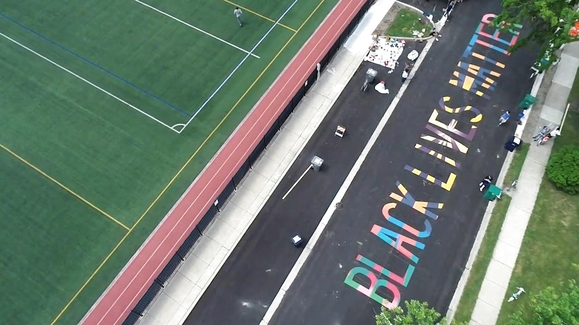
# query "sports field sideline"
(108, 111)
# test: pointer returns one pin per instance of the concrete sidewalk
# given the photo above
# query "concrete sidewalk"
(493, 292)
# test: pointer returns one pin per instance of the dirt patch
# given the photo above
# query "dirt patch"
(391, 16)
(388, 19)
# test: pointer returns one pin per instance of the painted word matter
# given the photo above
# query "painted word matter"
(475, 73)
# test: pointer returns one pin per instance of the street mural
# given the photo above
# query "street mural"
(370, 277)
(480, 77)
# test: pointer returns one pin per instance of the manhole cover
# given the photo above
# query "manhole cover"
(339, 205)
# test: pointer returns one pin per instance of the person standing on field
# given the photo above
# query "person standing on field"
(237, 12)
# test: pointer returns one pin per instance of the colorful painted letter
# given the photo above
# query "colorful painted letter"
(395, 221)
(375, 284)
(387, 273)
(397, 240)
(442, 104)
(444, 140)
(420, 206)
(487, 20)
(447, 185)
(437, 155)
(451, 127)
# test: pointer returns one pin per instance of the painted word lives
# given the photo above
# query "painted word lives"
(376, 281)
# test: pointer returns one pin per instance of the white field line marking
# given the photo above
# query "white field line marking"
(238, 66)
(197, 29)
(90, 83)
(339, 196)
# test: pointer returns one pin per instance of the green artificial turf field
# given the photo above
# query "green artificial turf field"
(108, 111)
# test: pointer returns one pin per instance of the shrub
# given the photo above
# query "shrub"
(563, 169)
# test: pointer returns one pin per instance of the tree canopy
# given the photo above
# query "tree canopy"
(563, 169)
(551, 23)
(551, 306)
(416, 313)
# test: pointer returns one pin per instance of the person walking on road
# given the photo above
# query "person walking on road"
(405, 74)
(237, 12)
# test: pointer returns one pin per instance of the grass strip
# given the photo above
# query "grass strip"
(548, 255)
(406, 22)
(485, 253)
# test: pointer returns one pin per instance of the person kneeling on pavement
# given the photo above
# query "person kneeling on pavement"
(485, 182)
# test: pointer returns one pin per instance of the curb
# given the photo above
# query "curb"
(418, 39)
(488, 214)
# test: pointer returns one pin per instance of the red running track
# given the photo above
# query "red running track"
(122, 295)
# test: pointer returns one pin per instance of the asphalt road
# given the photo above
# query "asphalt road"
(256, 269)
(336, 287)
